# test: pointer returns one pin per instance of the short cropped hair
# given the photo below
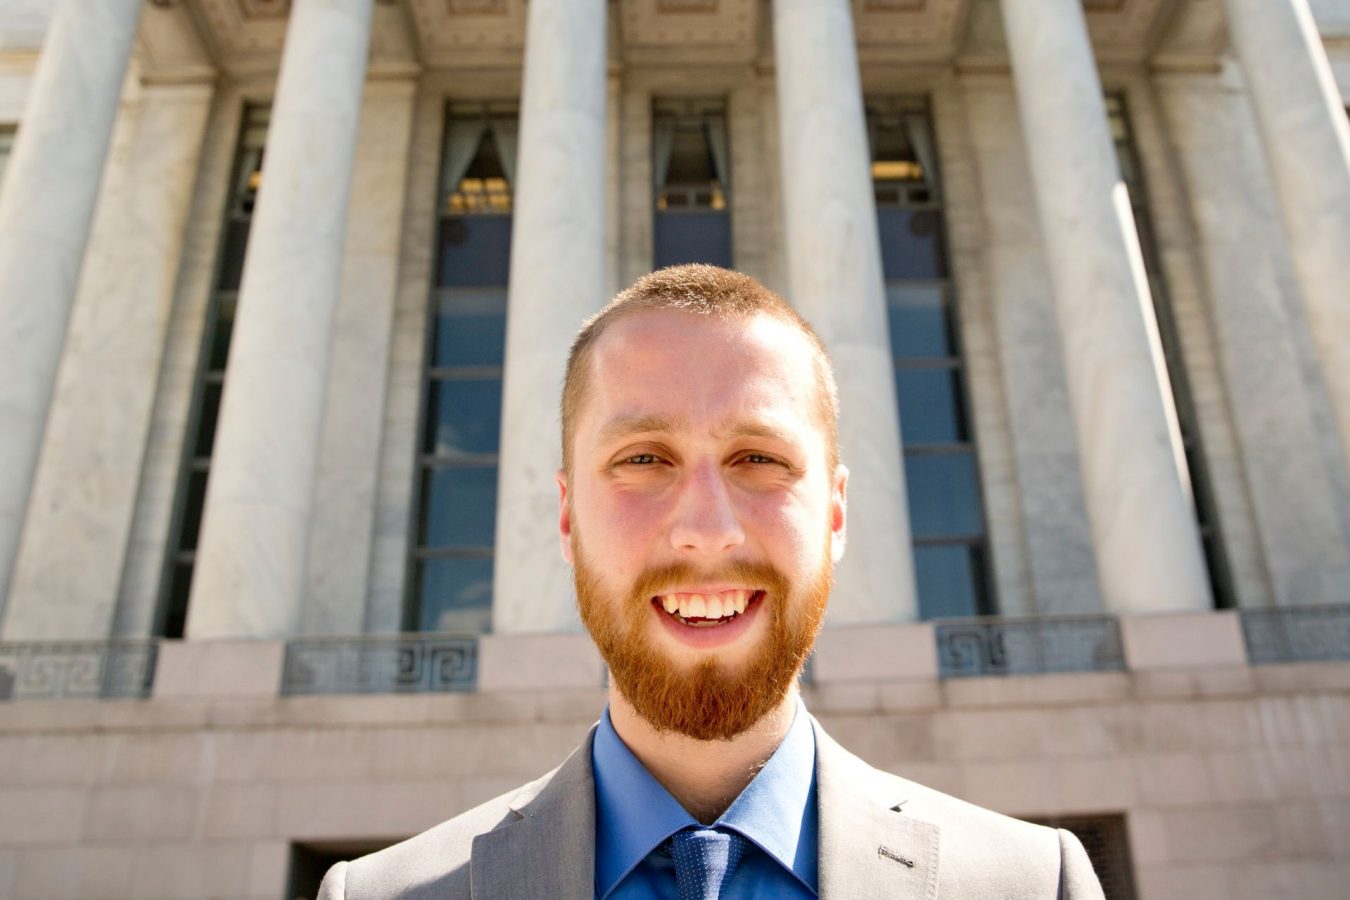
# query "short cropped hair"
(706, 291)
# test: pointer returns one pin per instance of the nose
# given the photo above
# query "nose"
(705, 521)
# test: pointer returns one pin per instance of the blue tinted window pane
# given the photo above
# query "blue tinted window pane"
(930, 406)
(703, 237)
(944, 495)
(470, 328)
(911, 243)
(919, 321)
(454, 595)
(459, 506)
(463, 416)
(475, 250)
(948, 578)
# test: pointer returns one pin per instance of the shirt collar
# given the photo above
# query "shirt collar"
(634, 813)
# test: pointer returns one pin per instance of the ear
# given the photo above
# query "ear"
(564, 517)
(838, 512)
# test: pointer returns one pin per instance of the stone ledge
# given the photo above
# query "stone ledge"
(533, 662)
(875, 653)
(209, 669)
(1183, 641)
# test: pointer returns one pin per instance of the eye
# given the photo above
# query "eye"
(641, 459)
(760, 459)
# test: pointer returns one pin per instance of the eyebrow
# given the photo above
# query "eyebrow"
(624, 426)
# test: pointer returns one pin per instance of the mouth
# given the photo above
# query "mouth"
(713, 609)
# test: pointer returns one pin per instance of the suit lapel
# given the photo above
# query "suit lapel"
(548, 851)
(867, 848)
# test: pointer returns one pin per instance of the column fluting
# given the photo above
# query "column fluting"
(1306, 136)
(1135, 482)
(46, 211)
(250, 563)
(557, 280)
(835, 281)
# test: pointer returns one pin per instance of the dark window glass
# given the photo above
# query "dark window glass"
(692, 237)
(232, 253)
(179, 582)
(221, 333)
(463, 416)
(1206, 510)
(911, 243)
(920, 320)
(931, 408)
(950, 578)
(207, 415)
(944, 494)
(945, 507)
(691, 183)
(460, 504)
(470, 327)
(475, 250)
(450, 576)
(196, 502)
(456, 594)
(189, 502)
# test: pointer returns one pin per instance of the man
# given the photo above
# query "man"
(702, 507)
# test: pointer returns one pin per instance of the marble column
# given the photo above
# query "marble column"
(338, 576)
(1135, 483)
(835, 281)
(250, 569)
(1303, 127)
(46, 211)
(78, 529)
(557, 280)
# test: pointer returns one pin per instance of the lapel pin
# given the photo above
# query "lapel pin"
(891, 854)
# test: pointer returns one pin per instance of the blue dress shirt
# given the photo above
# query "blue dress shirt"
(776, 812)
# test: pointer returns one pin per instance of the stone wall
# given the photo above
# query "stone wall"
(1234, 780)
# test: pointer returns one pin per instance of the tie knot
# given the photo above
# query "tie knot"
(704, 859)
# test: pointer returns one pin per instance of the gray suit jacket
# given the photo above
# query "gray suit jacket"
(880, 836)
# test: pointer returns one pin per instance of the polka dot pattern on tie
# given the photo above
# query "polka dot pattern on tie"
(705, 859)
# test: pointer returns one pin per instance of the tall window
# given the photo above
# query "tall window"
(190, 496)
(691, 182)
(946, 511)
(450, 588)
(1206, 511)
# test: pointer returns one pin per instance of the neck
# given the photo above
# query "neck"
(704, 776)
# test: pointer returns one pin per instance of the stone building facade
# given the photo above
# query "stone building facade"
(286, 288)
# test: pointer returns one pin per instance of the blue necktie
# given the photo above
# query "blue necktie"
(704, 860)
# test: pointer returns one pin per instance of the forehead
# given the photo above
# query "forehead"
(702, 370)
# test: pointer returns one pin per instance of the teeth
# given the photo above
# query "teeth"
(714, 603)
(707, 606)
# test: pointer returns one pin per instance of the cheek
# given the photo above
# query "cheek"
(626, 519)
(787, 525)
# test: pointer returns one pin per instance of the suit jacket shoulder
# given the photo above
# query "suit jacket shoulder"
(885, 836)
(880, 836)
(524, 843)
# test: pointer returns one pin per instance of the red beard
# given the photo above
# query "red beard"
(707, 701)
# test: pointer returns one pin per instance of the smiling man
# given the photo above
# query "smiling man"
(703, 507)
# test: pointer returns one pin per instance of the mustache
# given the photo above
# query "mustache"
(661, 579)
